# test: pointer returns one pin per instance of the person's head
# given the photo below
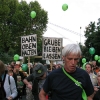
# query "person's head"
(9, 68)
(57, 66)
(94, 64)
(13, 63)
(17, 67)
(71, 54)
(2, 68)
(89, 68)
(10, 72)
(40, 71)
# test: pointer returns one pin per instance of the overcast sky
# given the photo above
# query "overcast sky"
(66, 24)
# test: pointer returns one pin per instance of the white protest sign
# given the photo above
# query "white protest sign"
(52, 48)
(29, 45)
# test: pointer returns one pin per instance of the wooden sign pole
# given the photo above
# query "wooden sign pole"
(51, 65)
(29, 64)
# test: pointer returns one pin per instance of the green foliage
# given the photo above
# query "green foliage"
(6, 58)
(92, 34)
(15, 21)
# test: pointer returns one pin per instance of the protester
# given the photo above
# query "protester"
(9, 68)
(17, 72)
(61, 86)
(12, 63)
(95, 67)
(2, 92)
(57, 66)
(97, 88)
(37, 78)
(93, 77)
(20, 85)
(8, 83)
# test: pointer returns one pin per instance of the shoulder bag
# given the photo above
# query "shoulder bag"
(84, 96)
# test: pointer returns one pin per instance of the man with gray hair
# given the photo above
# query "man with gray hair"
(62, 86)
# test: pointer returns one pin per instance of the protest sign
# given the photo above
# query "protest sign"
(52, 48)
(29, 45)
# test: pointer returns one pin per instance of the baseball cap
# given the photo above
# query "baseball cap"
(39, 70)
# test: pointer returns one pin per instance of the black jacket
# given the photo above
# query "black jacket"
(2, 92)
(97, 95)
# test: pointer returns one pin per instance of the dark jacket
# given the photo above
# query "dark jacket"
(2, 92)
(97, 95)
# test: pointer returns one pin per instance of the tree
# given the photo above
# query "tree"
(92, 33)
(15, 21)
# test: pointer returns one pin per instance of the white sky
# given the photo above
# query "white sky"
(79, 14)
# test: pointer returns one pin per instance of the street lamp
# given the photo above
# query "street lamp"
(80, 35)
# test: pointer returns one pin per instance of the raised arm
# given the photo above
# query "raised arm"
(27, 84)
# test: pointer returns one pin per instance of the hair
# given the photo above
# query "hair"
(2, 68)
(2, 65)
(71, 48)
(10, 71)
(17, 65)
(90, 66)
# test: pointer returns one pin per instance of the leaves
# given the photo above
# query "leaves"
(15, 21)
(92, 34)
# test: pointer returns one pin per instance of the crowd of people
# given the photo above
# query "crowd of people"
(63, 82)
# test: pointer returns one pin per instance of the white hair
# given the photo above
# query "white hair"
(71, 48)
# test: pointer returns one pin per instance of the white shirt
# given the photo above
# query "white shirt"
(10, 89)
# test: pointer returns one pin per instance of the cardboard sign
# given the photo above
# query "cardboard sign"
(29, 45)
(52, 48)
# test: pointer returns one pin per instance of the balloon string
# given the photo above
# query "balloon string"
(91, 58)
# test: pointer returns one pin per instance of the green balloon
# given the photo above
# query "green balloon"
(99, 57)
(24, 67)
(96, 57)
(83, 67)
(16, 57)
(64, 7)
(91, 50)
(83, 60)
(99, 61)
(33, 14)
